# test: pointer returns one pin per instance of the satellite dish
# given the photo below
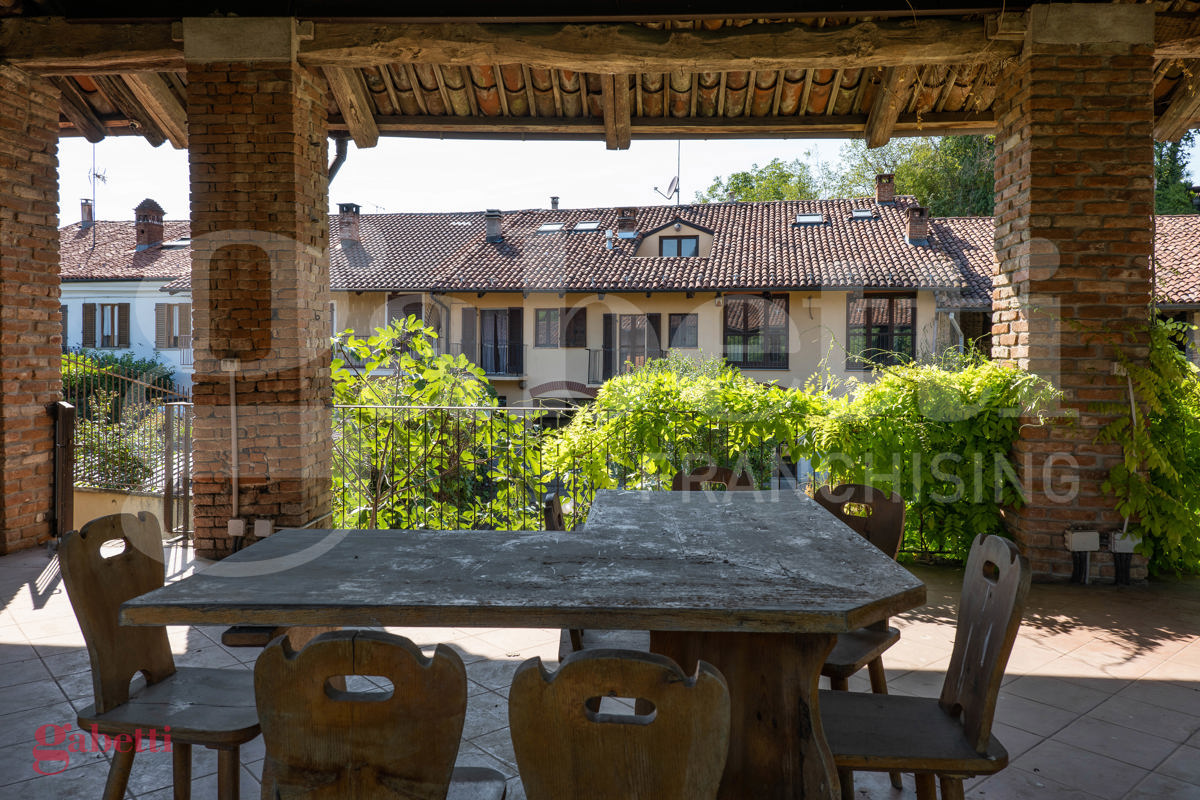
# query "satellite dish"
(673, 186)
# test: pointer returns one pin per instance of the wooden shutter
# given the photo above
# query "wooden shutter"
(516, 342)
(574, 327)
(123, 325)
(89, 325)
(654, 336)
(468, 334)
(162, 325)
(62, 315)
(185, 319)
(609, 326)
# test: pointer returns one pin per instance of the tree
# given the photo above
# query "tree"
(952, 175)
(1172, 187)
(778, 180)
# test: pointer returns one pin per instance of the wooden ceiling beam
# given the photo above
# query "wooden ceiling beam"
(162, 105)
(889, 100)
(114, 88)
(614, 102)
(1184, 109)
(54, 46)
(1177, 35)
(349, 90)
(628, 48)
(75, 108)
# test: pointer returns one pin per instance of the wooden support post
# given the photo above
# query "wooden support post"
(64, 468)
(614, 102)
(885, 111)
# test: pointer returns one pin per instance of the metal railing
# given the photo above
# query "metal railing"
(620, 361)
(119, 424)
(496, 359)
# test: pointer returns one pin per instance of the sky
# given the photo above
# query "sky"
(451, 175)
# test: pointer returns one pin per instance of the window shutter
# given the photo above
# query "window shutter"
(62, 315)
(185, 319)
(89, 325)
(161, 325)
(468, 334)
(516, 341)
(654, 337)
(609, 325)
(123, 325)
(574, 332)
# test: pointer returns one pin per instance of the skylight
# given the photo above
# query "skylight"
(550, 227)
(862, 213)
(590, 225)
(177, 244)
(810, 219)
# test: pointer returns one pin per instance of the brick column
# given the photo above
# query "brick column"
(1074, 198)
(260, 276)
(30, 328)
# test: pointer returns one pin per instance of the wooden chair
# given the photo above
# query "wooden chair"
(209, 707)
(325, 742)
(568, 747)
(949, 737)
(882, 526)
(703, 477)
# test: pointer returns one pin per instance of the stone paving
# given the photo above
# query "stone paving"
(1101, 698)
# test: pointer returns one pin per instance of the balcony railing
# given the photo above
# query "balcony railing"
(620, 360)
(497, 360)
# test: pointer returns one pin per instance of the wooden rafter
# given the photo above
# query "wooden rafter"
(614, 100)
(1177, 36)
(75, 107)
(1184, 109)
(118, 93)
(885, 111)
(350, 93)
(155, 96)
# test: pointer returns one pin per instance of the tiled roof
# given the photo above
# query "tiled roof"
(970, 242)
(1177, 259)
(108, 251)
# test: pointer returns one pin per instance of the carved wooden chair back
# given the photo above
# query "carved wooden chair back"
(326, 743)
(552, 513)
(883, 526)
(702, 477)
(97, 585)
(989, 613)
(673, 748)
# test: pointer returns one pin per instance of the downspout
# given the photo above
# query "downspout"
(339, 157)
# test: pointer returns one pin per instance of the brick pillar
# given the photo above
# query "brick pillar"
(1074, 198)
(30, 328)
(260, 277)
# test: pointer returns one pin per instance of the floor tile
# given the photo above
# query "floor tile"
(1057, 692)
(1071, 766)
(1184, 765)
(1155, 720)
(1031, 716)
(1017, 784)
(1117, 742)
(1161, 787)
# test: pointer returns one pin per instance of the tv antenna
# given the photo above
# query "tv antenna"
(673, 186)
(93, 177)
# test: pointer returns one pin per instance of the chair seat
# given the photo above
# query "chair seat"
(202, 706)
(476, 783)
(605, 640)
(880, 732)
(855, 649)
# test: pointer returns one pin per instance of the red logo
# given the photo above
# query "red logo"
(55, 743)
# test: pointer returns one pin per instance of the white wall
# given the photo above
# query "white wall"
(141, 297)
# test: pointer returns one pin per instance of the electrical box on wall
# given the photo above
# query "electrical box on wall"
(1082, 541)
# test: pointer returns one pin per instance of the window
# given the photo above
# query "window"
(172, 325)
(629, 340)
(546, 332)
(550, 227)
(880, 330)
(862, 213)
(682, 330)
(590, 225)
(756, 331)
(501, 351)
(810, 219)
(679, 246)
(105, 325)
(560, 327)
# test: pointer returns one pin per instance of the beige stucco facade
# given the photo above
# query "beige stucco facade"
(816, 333)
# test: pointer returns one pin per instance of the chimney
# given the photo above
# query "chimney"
(491, 218)
(554, 202)
(87, 214)
(627, 223)
(917, 229)
(148, 217)
(885, 188)
(348, 216)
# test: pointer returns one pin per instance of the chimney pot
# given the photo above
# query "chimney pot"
(348, 222)
(917, 227)
(491, 218)
(554, 202)
(627, 223)
(148, 218)
(885, 188)
(87, 213)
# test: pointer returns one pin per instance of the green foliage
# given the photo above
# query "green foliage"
(778, 180)
(420, 443)
(1172, 188)
(108, 456)
(952, 175)
(1157, 484)
(939, 437)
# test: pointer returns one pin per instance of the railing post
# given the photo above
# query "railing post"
(64, 468)
(169, 468)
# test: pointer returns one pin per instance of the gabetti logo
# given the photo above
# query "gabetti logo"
(55, 743)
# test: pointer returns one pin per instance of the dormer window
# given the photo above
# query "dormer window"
(810, 219)
(591, 225)
(551, 227)
(862, 213)
(679, 246)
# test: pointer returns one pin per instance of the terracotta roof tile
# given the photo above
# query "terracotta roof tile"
(108, 251)
(1177, 259)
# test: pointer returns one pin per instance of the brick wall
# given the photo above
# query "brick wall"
(30, 329)
(1074, 197)
(260, 287)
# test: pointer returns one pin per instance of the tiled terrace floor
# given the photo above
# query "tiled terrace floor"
(1102, 697)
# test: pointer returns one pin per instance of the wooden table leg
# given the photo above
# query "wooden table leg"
(777, 746)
